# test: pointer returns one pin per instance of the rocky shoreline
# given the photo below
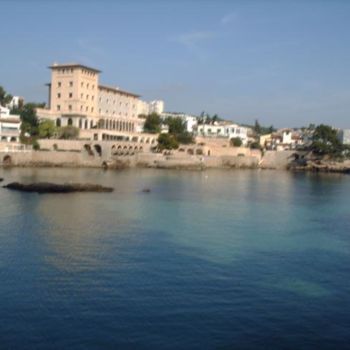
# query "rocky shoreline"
(322, 166)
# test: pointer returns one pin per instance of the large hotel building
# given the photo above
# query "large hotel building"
(100, 112)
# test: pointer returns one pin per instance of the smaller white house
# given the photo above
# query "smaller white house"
(344, 136)
(223, 130)
(10, 126)
(190, 120)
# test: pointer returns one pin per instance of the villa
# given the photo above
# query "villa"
(101, 112)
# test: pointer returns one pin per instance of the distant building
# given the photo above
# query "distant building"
(190, 120)
(223, 130)
(344, 136)
(16, 102)
(146, 108)
(10, 126)
(282, 139)
(156, 107)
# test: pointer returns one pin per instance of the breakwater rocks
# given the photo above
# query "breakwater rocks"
(323, 166)
(47, 187)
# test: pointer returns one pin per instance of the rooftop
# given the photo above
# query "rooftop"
(73, 65)
(117, 90)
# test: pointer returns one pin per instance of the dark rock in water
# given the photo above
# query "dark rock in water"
(1, 179)
(146, 190)
(47, 187)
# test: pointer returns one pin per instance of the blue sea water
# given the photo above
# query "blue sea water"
(206, 260)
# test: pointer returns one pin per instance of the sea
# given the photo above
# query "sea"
(216, 259)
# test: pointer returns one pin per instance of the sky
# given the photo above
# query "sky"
(285, 63)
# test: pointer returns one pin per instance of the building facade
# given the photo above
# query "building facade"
(76, 98)
(223, 130)
(10, 126)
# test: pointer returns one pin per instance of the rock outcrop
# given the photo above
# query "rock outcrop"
(47, 187)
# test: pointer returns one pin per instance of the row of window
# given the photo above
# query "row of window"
(59, 84)
(87, 85)
(218, 131)
(70, 108)
(70, 95)
(120, 103)
(70, 71)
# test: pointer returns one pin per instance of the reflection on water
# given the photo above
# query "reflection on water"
(215, 259)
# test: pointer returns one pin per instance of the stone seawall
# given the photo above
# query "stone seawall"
(52, 158)
(75, 158)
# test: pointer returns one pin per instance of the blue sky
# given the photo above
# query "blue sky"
(286, 63)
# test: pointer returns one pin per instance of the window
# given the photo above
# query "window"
(59, 84)
(81, 96)
(70, 95)
(99, 111)
(58, 95)
(93, 87)
(81, 108)
(82, 84)
(87, 85)
(92, 97)
(92, 109)
(86, 109)
(87, 97)
(58, 107)
(70, 83)
(70, 107)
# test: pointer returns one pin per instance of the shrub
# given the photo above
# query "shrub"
(236, 142)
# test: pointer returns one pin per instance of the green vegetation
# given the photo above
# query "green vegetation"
(47, 129)
(255, 145)
(205, 118)
(262, 130)
(68, 133)
(153, 123)
(177, 128)
(236, 142)
(325, 142)
(167, 141)
(5, 98)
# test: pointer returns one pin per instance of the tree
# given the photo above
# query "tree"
(68, 133)
(325, 141)
(5, 98)
(29, 119)
(176, 125)
(257, 127)
(167, 141)
(47, 129)
(153, 123)
(185, 138)
(255, 145)
(236, 142)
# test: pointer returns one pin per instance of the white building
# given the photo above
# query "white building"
(156, 106)
(146, 108)
(15, 102)
(190, 120)
(10, 126)
(223, 130)
(344, 136)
